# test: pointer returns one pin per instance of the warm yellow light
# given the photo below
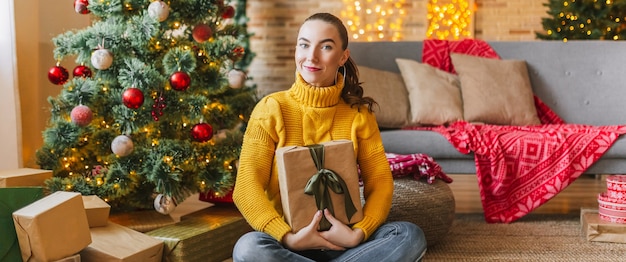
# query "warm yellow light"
(449, 19)
(374, 20)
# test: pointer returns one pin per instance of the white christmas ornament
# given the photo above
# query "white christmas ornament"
(236, 78)
(102, 59)
(159, 10)
(164, 204)
(122, 145)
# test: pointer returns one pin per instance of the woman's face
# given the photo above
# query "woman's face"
(319, 53)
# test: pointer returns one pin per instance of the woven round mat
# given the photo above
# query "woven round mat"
(430, 206)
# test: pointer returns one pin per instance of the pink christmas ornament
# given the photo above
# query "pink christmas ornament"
(81, 115)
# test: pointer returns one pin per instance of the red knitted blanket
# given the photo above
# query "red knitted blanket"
(520, 167)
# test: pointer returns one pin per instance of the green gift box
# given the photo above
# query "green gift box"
(207, 235)
(12, 199)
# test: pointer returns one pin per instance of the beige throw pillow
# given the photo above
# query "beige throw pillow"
(495, 91)
(387, 89)
(434, 94)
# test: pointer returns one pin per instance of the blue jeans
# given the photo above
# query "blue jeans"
(393, 241)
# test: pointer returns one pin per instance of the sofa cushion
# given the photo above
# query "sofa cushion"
(434, 95)
(387, 89)
(495, 91)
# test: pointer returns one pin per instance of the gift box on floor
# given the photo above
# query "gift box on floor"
(97, 211)
(207, 235)
(142, 221)
(53, 227)
(11, 200)
(114, 242)
(24, 177)
(318, 168)
(74, 258)
(598, 230)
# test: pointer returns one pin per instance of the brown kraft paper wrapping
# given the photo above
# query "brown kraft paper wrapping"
(97, 211)
(296, 167)
(114, 242)
(53, 227)
(597, 230)
(24, 177)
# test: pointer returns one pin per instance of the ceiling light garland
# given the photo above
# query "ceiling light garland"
(374, 20)
(449, 19)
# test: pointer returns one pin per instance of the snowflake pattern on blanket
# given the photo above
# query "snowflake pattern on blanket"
(519, 168)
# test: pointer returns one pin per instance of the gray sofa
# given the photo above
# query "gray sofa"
(583, 82)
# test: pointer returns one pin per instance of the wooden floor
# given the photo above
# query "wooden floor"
(581, 193)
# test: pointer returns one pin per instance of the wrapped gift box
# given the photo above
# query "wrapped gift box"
(11, 200)
(142, 221)
(97, 211)
(190, 205)
(296, 167)
(598, 230)
(53, 227)
(207, 235)
(114, 242)
(24, 177)
(74, 258)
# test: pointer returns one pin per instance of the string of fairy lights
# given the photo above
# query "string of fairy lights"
(382, 20)
(371, 20)
(449, 19)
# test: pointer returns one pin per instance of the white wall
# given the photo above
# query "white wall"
(10, 124)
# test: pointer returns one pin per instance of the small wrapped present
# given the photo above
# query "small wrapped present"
(598, 230)
(190, 205)
(114, 242)
(316, 177)
(206, 235)
(11, 200)
(142, 221)
(97, 211)
(217, 199)
(53, 227)
(24, 177)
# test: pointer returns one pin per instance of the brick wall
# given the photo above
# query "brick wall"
(275, 24)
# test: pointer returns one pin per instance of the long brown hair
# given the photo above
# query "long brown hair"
(352, 92)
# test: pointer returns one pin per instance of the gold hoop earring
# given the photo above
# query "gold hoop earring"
(344, 74)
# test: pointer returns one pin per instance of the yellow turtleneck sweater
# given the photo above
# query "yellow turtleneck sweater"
(300, 116)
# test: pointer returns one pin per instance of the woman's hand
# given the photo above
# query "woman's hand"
(309, 238)
(340, 234)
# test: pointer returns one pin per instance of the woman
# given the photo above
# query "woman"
(325, 103)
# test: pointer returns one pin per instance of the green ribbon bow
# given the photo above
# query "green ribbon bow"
(319, 184)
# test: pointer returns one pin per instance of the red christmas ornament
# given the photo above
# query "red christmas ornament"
(58, 75)
(180, 81)
(228, 12)
(80, 6)
(202, 32)
(132, 98)
(81, 115)
(202, 132)
(81, 71)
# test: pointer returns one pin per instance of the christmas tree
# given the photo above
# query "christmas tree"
(156, 108)
(584, 19)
